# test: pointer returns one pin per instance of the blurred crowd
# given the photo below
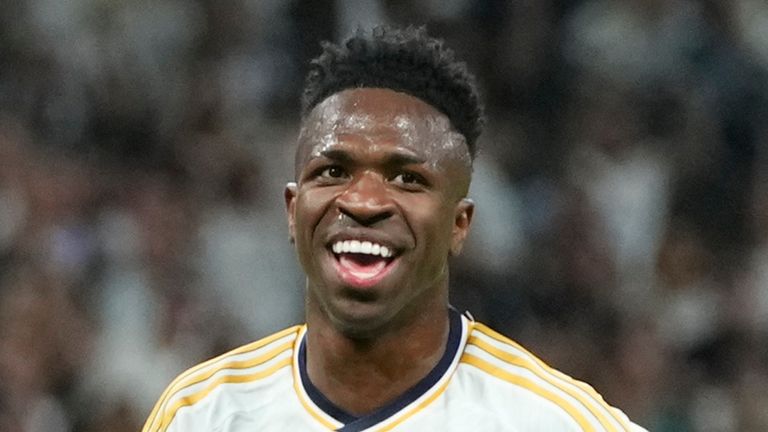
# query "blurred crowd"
(621, 230)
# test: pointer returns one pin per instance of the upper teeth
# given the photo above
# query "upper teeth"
(364, 247)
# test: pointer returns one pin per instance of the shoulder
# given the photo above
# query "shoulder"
(507, 364)
(251, 362)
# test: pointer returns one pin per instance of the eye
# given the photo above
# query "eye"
(409, 180)
(406, 178)
(334, 171)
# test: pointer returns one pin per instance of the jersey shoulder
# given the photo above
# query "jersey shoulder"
(245, 364)
(507, 365)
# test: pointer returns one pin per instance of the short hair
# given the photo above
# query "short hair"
(405, 60)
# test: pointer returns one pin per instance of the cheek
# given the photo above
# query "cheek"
(433, 220)
(310, 209)
(308, 213)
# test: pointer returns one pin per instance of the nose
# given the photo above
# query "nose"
(366, 199)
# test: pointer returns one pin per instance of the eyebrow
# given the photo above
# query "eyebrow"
(396, 159)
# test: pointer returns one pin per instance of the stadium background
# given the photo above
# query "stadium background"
(622, 222)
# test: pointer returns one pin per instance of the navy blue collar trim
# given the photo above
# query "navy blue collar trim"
(353, 423)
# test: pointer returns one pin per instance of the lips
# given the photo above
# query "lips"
(362, 263)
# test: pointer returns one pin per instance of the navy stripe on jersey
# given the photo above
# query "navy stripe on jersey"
(355, 424)
(315, 394)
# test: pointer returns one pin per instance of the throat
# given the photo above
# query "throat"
(357, 378)
(356, 388)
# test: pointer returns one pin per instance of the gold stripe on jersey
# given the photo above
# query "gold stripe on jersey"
(439, 391)
(308, 407)
(226, 379)
(176, 385)
(595, 397)
(529, 366)
(416, 409)
(236, 365)
(531, 386)
(303, 398)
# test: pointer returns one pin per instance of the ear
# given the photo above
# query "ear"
(461, 222)
(290, 206)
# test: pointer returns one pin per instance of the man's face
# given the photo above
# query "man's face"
(378, 207)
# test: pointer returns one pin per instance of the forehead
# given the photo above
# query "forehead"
(372, 119)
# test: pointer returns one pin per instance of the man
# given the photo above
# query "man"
(383, 167)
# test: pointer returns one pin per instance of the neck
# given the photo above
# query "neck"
(360, 375)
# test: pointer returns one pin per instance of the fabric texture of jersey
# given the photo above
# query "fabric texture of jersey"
(483, 382)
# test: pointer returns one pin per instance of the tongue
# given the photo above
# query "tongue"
(362, 266)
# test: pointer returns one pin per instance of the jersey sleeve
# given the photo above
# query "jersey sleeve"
(159, 419)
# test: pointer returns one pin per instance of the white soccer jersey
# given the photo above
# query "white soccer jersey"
(483, 382)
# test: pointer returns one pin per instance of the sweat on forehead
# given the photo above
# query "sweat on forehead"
(381, 115)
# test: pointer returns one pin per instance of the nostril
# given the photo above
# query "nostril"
(364, 217)
(377, 218)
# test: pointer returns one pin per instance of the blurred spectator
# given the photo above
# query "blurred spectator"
(44, 344)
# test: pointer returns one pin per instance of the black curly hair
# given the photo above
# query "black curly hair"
(405, 60)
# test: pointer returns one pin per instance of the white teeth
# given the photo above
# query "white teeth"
(365, 247)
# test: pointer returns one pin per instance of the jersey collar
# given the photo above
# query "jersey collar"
(434, 381)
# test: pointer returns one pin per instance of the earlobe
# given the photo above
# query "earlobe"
(462, 221)
(290, 205)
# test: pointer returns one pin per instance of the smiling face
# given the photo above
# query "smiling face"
(378, 207)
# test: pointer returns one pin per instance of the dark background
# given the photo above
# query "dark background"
(622, 197)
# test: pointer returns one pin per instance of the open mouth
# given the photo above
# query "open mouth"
(362, 263)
